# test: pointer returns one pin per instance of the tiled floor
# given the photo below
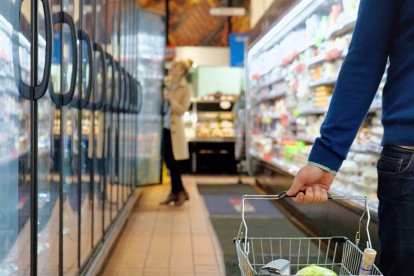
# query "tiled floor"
(168, 240)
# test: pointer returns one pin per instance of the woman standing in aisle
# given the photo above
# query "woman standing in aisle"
(177, 94)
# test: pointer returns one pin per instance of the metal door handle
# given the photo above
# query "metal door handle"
(110, 97)
(116, 101)
(82, 35)
(98, 48)
(140, 97)
(35, 91)
(122, 102)
(134, 101)
(63, 99)
(128, 102)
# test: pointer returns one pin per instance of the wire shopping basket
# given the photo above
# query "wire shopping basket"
(335, 253)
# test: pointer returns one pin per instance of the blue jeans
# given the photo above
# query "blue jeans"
(396, 211)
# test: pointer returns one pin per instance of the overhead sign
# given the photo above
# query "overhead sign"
(228, 11)
(237, 43)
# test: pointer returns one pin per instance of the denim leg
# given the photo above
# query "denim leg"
(396, 211)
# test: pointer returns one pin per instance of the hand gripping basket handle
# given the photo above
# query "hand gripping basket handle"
(283, 195)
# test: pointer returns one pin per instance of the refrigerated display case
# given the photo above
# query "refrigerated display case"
(209, 129)
(59, 130)
(291, 74)
(211, 118)
(15, 144)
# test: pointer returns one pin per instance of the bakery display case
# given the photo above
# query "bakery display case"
(211, 118)
(209, 129)
(291, 74)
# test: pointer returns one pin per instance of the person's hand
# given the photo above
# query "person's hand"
(311, 185)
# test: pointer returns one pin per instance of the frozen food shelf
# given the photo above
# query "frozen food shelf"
(347, 27)
(371, 148)
(276, 162)
(271, 96)
(305, 139)
(326, 82)
(316, 60)
(312, 111)
(273, 81)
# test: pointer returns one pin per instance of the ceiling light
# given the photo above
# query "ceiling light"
(228, 11)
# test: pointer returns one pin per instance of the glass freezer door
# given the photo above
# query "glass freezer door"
(25, 73)
(150, 75)
(14, 142)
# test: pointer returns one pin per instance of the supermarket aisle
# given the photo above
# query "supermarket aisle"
(165, 240)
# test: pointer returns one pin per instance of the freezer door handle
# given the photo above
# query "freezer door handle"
(122, 102)
(140, 97)
(83, 36)
(63, 99)
(134, 96)
(110, 97)
(117, 100)
(98, 48)
(128, 104)
(36, 91)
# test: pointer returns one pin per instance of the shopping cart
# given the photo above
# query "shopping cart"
(336, 253)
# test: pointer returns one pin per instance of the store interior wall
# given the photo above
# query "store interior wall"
(258, 8)
(212, 79)
(204, 56)
(212, 71)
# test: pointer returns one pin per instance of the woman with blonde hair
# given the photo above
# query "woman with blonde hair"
(177, 94)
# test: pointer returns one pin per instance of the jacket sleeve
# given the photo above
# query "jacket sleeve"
(181, 107)
(357, 83)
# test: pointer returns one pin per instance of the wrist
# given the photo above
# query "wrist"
(322, 167)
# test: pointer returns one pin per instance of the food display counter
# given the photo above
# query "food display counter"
(209, 128)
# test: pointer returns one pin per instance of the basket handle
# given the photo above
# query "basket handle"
(283, 195)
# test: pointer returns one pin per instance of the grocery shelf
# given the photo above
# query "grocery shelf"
(306, 46)
(370, 148)
(292, 170)
(311, 111)
(345, 28)
(305, 139)
(273, 81)
(316, 60)
(321, 58)
(303, 105)
(327, 82)
(271, 96)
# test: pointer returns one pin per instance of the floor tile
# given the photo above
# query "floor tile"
(169, 240)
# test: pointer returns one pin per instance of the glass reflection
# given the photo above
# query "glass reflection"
(150, 74)
(14, 145)
(98, 148)
(87, 192)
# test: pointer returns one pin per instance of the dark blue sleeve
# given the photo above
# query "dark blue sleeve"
(357, 84)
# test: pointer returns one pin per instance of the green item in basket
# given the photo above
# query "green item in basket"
(314, 270)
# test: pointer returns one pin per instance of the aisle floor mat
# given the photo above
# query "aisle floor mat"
(230, 206)
(263, 219)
